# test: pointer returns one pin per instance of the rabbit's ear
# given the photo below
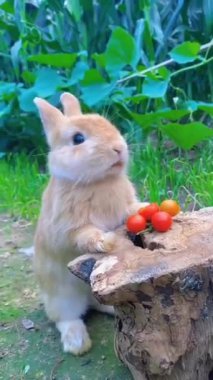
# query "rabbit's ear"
(71, 105)
(51, 118)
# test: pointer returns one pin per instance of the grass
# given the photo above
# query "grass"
(21, 187)
(157, 173)
(184, 176)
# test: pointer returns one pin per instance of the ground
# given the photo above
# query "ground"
(29, 343)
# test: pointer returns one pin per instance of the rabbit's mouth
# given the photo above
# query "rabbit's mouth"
(118, 164)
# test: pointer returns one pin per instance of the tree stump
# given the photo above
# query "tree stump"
(163, 298)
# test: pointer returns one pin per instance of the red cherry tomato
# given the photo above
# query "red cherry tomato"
(136, 223)
(148, 211)
(161, 221)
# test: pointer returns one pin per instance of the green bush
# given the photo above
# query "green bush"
(110, 55)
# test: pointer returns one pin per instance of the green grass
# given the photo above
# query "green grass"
(186, 176)
(157, 173)
(21, 187)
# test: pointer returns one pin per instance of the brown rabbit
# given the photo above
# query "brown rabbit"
(89, 195)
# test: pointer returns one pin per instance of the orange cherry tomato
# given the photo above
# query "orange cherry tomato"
(170, 206)
(136, 223)
(148, 211)
(161, 221)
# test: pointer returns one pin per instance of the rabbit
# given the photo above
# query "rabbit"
(88, 196)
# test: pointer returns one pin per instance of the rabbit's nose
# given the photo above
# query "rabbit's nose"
(118, 150)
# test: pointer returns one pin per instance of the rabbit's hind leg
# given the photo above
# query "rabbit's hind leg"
(74, 336)
(66, 306)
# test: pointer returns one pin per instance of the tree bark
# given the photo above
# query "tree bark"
(163, 298)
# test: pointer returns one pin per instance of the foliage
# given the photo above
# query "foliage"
(104, 52)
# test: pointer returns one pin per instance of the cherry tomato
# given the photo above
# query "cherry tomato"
(149, 210)
(161, 221)
(136, 223)
(170, 206)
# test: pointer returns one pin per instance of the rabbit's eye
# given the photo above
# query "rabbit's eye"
(78, 138)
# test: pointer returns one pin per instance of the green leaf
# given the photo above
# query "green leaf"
(170, 114)
(5, 110)
(137, 98)
(193, 106)
(100, 59)
(190, 105)
(7, 6)
(92, 76)
(207, 107)
(144, 120)
(94, 94)
(163, 73)
(7, 88)
(47, 82)
(78, 73)
(20, 15)
(57, 60)
(94, 88)
(122, 93)
(75, 9)
(15, 55)
(154, 88)
(208, 12)
(148, 44)
(26, 100)
(121, 51)
(155, 118)
(186, 52)
(28, 77)
(187, 135)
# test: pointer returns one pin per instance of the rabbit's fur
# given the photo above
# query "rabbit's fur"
(89, 195)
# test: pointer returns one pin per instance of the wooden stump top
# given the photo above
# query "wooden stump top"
(171, 256)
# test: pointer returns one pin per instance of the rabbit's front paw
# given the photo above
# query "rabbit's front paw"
(94, 240)
(106, 243)
(74, 337)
